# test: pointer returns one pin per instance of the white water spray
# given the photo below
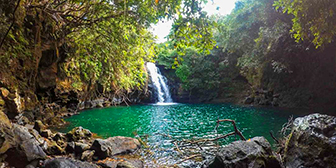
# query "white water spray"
(159, 82)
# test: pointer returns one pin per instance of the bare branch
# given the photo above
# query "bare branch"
(213, 139)
(234, 126)
(187, 158)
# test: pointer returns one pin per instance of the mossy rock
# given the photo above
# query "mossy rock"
(312, 142)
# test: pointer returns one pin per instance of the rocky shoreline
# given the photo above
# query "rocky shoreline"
(29, 146)
(310, 143)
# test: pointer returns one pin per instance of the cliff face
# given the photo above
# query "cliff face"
(29, 97)
(307, 78)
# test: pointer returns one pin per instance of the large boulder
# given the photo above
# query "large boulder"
(254, 153)
(27, 147)
(312, 142)
(28, 143)
(114, 146)
(67, 163)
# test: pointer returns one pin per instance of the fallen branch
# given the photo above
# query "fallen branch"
(177, 147)
(287, 126)
(213, 139)
(237, 132)
(187, 158)
(276, 140)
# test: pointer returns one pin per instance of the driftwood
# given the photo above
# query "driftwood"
(287, 127)
(213, 139)
(199, 142)
(237, 132)
(273, 137)
(188, 158)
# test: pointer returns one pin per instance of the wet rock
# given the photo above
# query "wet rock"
(107, 103)
(87, 155)
(54, 149)
(81, 106)
(46, 133)
(59, 137)
(70, 148)
(28, 144)
(22, 120)
(26, 148)
(312, 142)
(88, 105)
(114, 146)
(67, 163)
(81, 147)
(79, 133)
(254, 153)
(39, 126)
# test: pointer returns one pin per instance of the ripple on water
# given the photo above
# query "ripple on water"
(165, 122)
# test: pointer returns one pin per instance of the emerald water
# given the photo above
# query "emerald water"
(179, 121)
(160, 125)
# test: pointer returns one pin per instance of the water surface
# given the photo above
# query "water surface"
(178, 120)
(159, 125)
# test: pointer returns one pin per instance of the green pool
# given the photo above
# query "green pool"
(180, 121)
(161, 125)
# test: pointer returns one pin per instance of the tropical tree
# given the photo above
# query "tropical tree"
(313, 20)
(103, 42)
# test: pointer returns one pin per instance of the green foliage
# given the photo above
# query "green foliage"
(250, 34)
(166, 55)
(116, 57)
(191, 32)
(192, 28)
(105, 42)
(236, 32)
(201, 75)
(313, 20)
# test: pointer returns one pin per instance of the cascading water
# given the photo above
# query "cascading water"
(159, 82)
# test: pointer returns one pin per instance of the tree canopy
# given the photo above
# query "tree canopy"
(100, 41)
(313, 20)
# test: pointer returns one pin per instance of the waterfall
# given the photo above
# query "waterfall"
(160, 84)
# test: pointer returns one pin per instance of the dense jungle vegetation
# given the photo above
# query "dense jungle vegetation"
(285, 48)
(98, 48)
